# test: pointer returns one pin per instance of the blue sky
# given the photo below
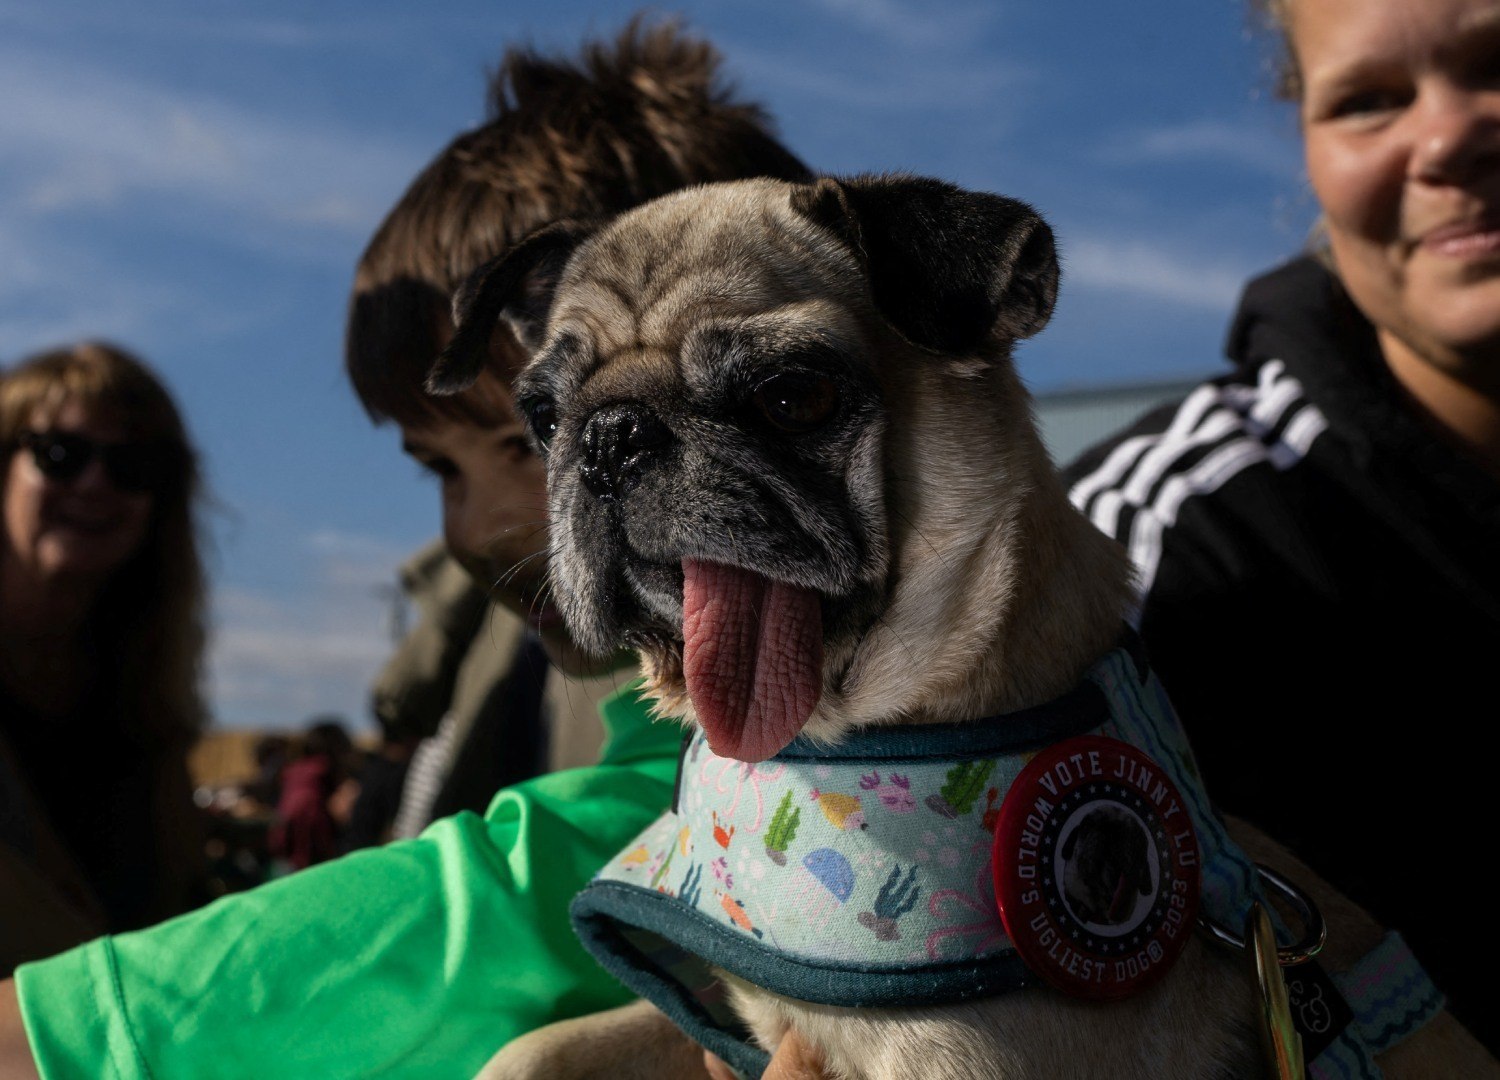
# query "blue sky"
(195, 181)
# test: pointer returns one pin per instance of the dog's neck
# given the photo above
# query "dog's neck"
(1001, 594)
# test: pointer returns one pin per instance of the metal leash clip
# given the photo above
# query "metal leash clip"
(1314, 929)
(1283, 1045)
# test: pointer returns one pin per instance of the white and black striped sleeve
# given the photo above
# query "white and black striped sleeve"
(1135, 486)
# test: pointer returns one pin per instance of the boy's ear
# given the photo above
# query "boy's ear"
(948, 268)
(516, 286)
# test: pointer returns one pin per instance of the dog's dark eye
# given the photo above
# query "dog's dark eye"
(541, 414)
(797, 402)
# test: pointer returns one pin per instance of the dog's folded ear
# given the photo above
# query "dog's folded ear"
(948, 268)
(516, 286)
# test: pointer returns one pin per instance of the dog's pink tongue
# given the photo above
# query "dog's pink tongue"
(752, 656)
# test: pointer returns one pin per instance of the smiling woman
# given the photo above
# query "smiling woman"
(1400, 111)
(100, 637)
(1316, 533)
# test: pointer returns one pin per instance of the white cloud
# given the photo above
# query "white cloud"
(1264, 150)
(337, 543)
(53, 292)
(907, 84)
(253, 685)
(357, 562)
(278, 657)
(21, 268)
(218, 23)
(76, 135)
(911, 24)
(1136, 266)
(76, 138)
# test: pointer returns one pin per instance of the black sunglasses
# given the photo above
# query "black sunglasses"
(130, 466)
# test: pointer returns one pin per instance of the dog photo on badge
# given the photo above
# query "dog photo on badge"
(1106, 860)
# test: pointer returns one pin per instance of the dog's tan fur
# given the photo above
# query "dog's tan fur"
(996, 595)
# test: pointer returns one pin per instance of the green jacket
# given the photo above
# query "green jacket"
(419, 959)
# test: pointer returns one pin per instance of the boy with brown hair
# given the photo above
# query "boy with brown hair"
(627, 121)
(420, 959)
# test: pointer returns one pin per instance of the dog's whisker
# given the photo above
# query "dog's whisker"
(511, 571)
(910, 652)
(509, 574)
(937, 553)
(534, 526)
(589, 668)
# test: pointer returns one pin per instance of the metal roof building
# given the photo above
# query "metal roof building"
(1073, 420)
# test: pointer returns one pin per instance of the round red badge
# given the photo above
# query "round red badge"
(1096, 868)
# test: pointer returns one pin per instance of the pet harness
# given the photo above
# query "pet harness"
(866, 873)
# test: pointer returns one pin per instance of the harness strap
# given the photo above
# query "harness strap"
(1389, 996)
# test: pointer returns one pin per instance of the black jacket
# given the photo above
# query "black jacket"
(1322, 576)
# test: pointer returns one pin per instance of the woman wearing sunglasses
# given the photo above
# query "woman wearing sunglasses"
(101, 604)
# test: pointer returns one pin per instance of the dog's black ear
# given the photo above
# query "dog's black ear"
(516, 286)
(1069, 844)
(947, 267)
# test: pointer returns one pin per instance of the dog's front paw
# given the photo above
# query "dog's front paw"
(633, 1042)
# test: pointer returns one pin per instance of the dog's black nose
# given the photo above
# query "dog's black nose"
(619, 443)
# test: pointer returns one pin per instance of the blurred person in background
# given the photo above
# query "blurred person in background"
(101, 637)
(307, 827)
(465, 692)
(376, 796)
(271, 754)
(490, 674)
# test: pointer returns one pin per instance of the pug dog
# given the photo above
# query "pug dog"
(1107, 869)
(790, 461)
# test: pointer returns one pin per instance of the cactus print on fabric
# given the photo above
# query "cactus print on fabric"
(831, 860)
(882, 860)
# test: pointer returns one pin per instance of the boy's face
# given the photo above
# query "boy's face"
(494, 492)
